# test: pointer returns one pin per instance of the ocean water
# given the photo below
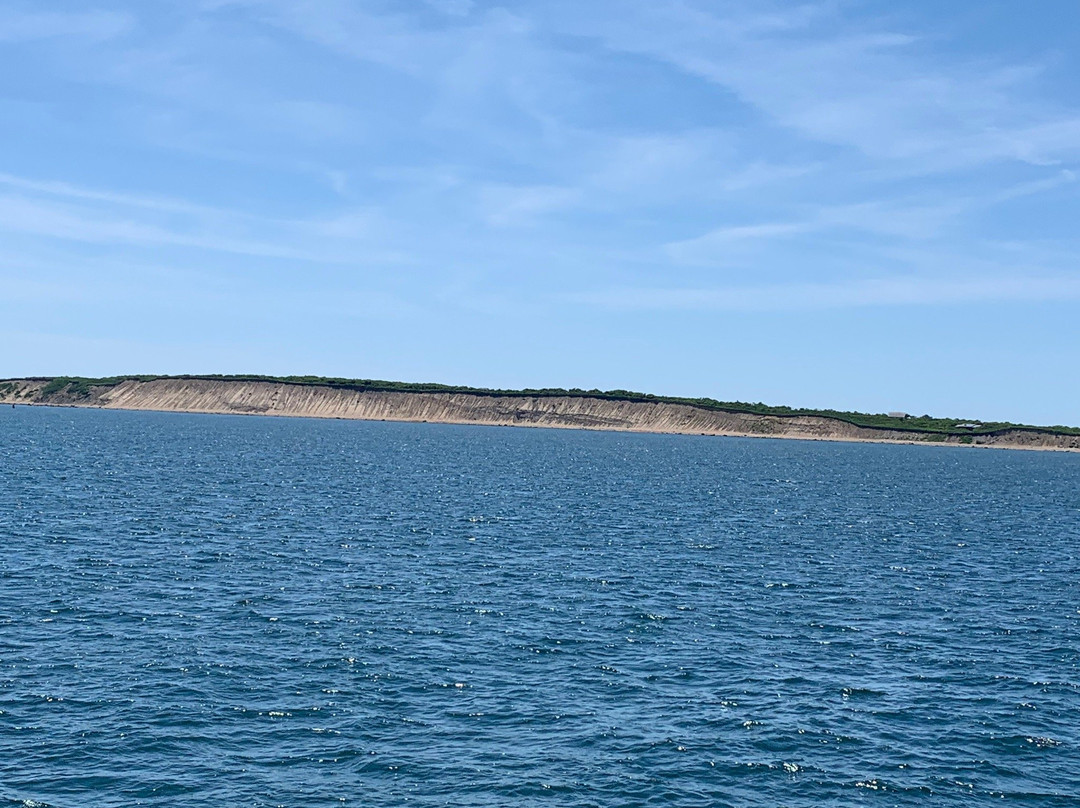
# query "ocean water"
(246, 611)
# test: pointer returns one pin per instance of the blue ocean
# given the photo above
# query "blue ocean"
(248, 611)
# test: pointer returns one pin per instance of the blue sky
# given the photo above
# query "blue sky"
(865, 205)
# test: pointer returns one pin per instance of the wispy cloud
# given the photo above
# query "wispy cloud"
(23, 26)
(911, 219)
(853, 84)
(1039, 186)
(55, 188)
(391, 39)
(894, 291)
(455, 8)
(723, 237)
(509, 205)
(58, 210)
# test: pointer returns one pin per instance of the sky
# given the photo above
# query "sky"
(850, 203)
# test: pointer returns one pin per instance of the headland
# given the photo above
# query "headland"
(615, 410)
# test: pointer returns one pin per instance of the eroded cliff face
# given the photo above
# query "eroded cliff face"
(269, 398)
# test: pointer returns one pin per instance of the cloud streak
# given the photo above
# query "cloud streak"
(21, 26)
(58, 210)
(895, 291)
(878, 91)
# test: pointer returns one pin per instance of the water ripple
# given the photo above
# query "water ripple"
(207, 611)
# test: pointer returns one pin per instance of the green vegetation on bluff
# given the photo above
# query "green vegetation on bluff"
(80, 387)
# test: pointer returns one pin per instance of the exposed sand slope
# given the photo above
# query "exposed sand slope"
(269, 398)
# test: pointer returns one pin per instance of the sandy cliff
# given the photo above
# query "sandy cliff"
(572, 412)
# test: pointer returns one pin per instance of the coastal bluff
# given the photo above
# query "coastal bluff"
(578, 411)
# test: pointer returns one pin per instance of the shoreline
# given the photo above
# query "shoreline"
(228, 397)
(632, 431)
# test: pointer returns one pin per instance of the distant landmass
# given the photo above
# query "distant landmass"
(618, 410)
